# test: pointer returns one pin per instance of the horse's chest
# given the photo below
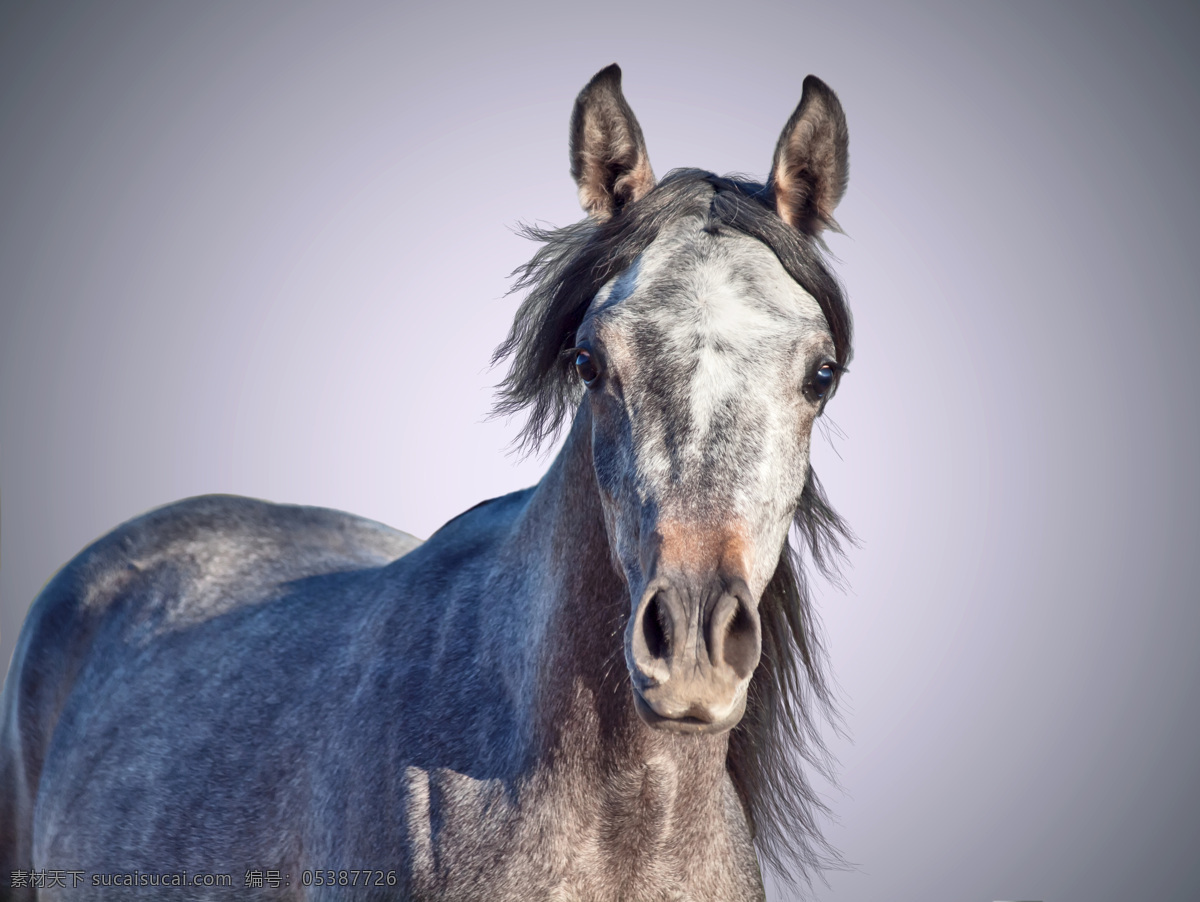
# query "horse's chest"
(475, 839)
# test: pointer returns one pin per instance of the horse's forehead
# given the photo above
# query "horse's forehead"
(710, 336)
(691, 288)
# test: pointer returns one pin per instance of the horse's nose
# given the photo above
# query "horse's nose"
(693, 645)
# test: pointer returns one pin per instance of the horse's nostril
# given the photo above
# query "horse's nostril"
(741, 647)
(656, 628)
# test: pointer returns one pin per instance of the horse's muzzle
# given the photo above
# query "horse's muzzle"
(692, 646)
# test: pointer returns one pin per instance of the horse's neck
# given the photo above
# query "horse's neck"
(585, 727)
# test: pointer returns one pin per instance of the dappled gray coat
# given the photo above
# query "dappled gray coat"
(592, 689)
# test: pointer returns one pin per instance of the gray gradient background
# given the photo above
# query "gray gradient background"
(261, 248)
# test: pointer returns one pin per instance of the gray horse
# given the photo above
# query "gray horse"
(596, 688)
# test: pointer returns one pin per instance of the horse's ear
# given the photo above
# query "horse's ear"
(608, 155)
(812, 161)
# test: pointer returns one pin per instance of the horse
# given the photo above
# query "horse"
(607, 686)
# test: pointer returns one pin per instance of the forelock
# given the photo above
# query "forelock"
(579, 263)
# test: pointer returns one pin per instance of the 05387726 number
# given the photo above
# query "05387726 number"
(366, 877)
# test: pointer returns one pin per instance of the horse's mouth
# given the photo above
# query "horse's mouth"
(687, 723)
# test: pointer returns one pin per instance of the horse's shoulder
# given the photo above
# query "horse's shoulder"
(466, 546)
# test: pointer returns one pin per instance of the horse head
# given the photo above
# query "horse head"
(696, 324)
(705, 365)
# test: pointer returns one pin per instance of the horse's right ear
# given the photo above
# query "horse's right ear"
(812, 161)
(608, 154)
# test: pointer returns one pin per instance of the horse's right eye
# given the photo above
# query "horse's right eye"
(586, 367)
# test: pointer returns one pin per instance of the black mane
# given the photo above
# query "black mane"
(789, 693)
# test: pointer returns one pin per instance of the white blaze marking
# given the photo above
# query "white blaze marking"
(735, 293)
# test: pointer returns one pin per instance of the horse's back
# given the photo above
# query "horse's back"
(201, 565)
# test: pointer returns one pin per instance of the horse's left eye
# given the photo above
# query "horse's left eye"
(822, 380)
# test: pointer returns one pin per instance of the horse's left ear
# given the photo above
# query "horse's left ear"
(812, 161)
(608, 154)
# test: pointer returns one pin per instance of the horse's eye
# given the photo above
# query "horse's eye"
(586, 367)
(822, 380)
